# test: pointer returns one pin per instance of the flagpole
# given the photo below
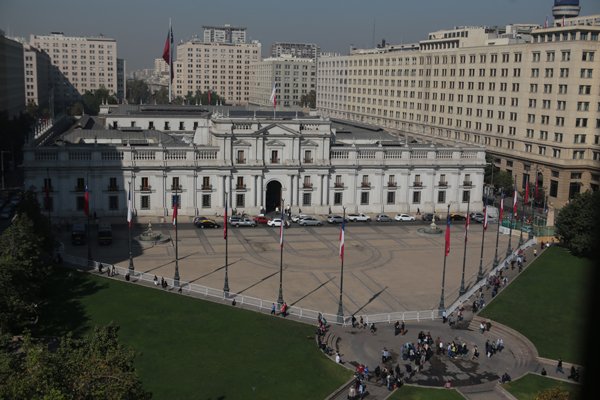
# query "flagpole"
(512, 215)
(130, 211)
(176, 205)
(226, 284)
(89, 237)
(496, 259)
(170, 62)
(485, 218)
(282, 227)
(532, 211)
(462, 289)
(340, 312)
(522, 217)
(441, 306)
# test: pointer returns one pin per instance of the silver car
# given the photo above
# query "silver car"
(309, 221)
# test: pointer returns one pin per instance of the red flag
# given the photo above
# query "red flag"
(485, 218)
(273, 98)
(168, 51)
(526, 200)
(467, 226)
(86, 202)
(501, 210)
(515, 202)
(225, 220)
(342, 238)
(175, 207)
(447, 235)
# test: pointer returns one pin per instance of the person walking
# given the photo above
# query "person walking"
(273, 308)
(559, 367)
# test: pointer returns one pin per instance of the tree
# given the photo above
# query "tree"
(554, 393)
(93, 100)
(504, 181)
(95, 367)
(310, 99)
(138, 92)
(161, 96)
(577, 223)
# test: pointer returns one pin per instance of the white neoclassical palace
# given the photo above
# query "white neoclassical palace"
(254, 160)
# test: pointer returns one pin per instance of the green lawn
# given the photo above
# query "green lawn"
(193, 349)
(421, 393)
(527, 387)
(547, 303)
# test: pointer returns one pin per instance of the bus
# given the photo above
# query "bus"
(78, 234)
(104, 234)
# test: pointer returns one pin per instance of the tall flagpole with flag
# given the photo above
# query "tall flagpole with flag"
(485, 224)
(175, 207)
(446, 252)
(513, 214)
(281, 228)
(523, 219)
(273, 98)
(340, 312)
(225, 236)
(168, 57)
(462, 289)
(500, 216)
(129, 223)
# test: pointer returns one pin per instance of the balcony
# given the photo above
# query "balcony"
(392, 184)
(418, 184)
(307, 185)
(240, 161)
(176, 187)
(365, 185)
(240, 187)
(443, 183)
(307, 161)
(145, 188)
(206, 187)
(113, 188)
(339, 185)
(467, 183)
(274, 160)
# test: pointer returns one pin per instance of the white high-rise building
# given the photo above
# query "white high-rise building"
(530, 95)
(224, 34)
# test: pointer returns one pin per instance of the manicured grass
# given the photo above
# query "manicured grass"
(527, 387)
(421, 393)
(190, 348)
(547, 303)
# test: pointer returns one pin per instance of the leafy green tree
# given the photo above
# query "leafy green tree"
(309, 99)
(554, 393)
(93, 99)
(138, 92)
(504, 181)
(577, 223)
(95, 367)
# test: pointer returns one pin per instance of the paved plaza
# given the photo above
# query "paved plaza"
(388, 267)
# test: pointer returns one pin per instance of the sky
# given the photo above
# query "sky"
(140, 26)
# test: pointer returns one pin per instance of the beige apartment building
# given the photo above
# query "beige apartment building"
(38, 70)
(293, 77)
(12, 82)
(83, 63)
(222, 65)
(529, 95)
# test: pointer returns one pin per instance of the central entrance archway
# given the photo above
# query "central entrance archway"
(273, 197)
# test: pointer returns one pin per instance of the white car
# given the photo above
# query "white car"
(296, 218)
(404, 217)
(358, 218)
(276, 222)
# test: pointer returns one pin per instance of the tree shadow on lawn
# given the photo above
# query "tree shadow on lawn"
(62, 311)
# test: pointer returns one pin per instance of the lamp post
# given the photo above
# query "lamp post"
(340, 312)
(226, 283)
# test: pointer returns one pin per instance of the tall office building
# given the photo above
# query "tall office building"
(121, 79)
(224, 34)
(530, 96)
(223, 68)
(300, 50)
(38, 84)
(12, 79)
(294, 77)
(82, 63)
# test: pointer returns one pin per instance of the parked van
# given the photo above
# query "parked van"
(492, 213)
(78, 234)
(104, 234)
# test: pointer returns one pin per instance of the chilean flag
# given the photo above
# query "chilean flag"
(86, 201)
(448, 235)
(168, 51)
(342, 234)
(273, 98)
(501, 210)
(515, 203)
(526, 200)
(129, 208)
(175, 206)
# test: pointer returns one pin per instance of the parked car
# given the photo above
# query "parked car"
(105, 233)
(261, 219)
(206, 223)
(477, 217)
(199, 218)
(241, 221)
(276, 222)
(296, 218)
(428, 217)
(309, 221)
(335, 219)
(383, 218)
(358, 218)
(404, 217)
(457, 217)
